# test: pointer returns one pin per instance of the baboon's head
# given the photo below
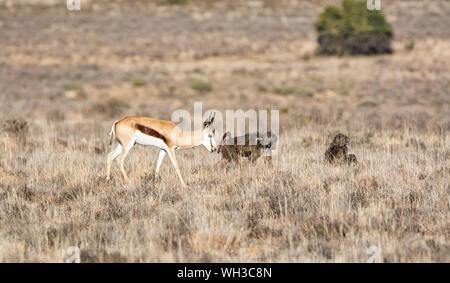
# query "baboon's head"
(268, 140)
(340, 140)
(351, 158)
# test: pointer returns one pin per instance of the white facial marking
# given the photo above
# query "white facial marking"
(208, 140)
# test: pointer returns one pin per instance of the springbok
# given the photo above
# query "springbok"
(159, 133)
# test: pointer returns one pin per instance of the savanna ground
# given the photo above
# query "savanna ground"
(66, 76)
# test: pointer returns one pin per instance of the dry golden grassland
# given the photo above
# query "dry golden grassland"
(301, 209)
(64, 79)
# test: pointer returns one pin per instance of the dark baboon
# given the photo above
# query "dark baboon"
(250, 146)
(338, 150)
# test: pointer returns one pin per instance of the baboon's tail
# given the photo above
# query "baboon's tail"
(112, 133)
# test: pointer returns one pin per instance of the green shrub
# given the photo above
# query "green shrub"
(118, 103)
(201, 86)
(112, 107)
(177, 2)
(291, 89)
(353, 29)
(409, 46)
(139, 82)
(261, 88)
(284, 110)
(71, 86)
(285, 90)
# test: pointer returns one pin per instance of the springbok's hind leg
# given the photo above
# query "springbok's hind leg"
(111, 156)
(122, 156)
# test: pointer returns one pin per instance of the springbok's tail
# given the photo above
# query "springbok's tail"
(112, 133)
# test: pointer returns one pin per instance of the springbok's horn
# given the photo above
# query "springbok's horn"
(211, 117)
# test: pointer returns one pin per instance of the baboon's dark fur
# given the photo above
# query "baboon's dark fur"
(250, 146)
(338, 151)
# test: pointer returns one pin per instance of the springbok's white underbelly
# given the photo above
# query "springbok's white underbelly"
(144, 139)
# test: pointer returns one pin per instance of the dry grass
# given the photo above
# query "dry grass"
(301, 209)
(58, 104)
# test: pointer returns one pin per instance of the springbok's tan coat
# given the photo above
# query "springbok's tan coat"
(159, 133)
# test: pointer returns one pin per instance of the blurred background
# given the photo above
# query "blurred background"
(115, 58)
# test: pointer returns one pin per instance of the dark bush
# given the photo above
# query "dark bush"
(113, 107)
(352, 30)
(177, 2)
(16, 126)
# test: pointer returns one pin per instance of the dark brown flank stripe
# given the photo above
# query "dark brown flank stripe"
(150, 132)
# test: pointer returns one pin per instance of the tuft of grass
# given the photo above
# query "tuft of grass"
(409, 46)
(344, 89)
(55, 115)
(139, 82)
(285, 90)
(201, 86)
(112, 107)
(177, 2)
(116, 103)
(243, 97)
(71, 86)
(172, 89)
(261, 88)
(289, 89)
(305, 92)
(368, 103)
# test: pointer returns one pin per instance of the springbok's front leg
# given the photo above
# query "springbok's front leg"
(162, 153)
(171, 153)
